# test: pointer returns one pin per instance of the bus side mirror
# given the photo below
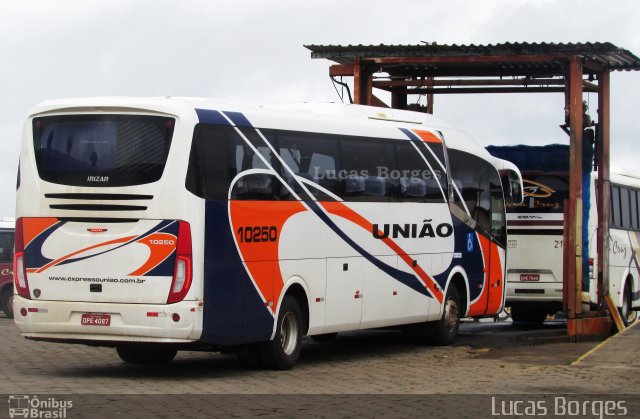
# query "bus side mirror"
(512, 185)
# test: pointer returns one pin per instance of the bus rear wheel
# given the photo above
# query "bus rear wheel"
(528, 313)
(628, 316)
(6, 303)
(146, 355)
(445, 330)
(283, 351)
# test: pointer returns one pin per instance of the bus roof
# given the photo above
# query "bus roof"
(380, 121)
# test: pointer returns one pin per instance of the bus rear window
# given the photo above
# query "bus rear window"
(6, 246)
(101, 150)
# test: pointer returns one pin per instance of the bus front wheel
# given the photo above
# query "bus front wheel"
(445, 330)
(283, 351)
(146, 355)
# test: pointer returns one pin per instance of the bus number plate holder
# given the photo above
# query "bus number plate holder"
(529, 277)
(96, 319)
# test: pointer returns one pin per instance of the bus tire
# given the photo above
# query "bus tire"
(445, 330)
(528, 313)
(325, 337)
(283, 351)
(6, 302)
(628, 316)
(146, 355)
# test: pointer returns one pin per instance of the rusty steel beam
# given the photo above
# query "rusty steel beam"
(468, 82)
(399, 99)
(430, 96)
(382, 84)
(362, 84)
(444, 91)
(572, 249)
(342, 70)
(604, 185)
(492, 59)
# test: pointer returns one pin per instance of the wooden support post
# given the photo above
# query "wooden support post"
(572, 251)
(399, 98)
(604, 186)
(617, 319)
(357, 82)
(430, 96)
(362, 84)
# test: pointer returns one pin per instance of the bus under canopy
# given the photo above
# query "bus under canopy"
(159, 224)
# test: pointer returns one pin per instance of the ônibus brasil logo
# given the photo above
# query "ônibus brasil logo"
(23, 406)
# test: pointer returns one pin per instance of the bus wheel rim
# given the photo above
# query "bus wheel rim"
(289, 333)
(451, 314)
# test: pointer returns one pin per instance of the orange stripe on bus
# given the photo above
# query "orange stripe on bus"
(341, 210)
(33, 227)
(161, 246)
(427, 136)
(55, 262)
(260, 253)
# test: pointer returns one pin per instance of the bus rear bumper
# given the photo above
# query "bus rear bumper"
(534, 291)
(113, 323)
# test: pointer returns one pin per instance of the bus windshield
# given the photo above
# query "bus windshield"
(545, 176)
(101, 150)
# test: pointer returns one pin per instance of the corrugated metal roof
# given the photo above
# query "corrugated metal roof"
(547, 55)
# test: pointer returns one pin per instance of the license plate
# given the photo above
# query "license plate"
(96, 319)
(529, 277)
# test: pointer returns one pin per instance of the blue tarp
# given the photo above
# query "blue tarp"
(548, 158)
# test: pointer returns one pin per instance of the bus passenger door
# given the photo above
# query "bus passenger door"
(343, 301)
(494, 252)
(494, 281)
(382, 303)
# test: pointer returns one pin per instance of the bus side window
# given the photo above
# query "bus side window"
(367, 169)
(638, 212)
(435, 156)
(634, 208)
(479, 184)
(615, 219)
(6, 246)
(212, 162)
(311, 157)
(625, 206)
(418, 182)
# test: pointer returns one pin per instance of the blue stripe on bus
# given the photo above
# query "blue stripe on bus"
(33, 257)
(238, 119)
(413, 137)
(168, 226)
(471, 261)
(207, 116)
(234, 313)
(406, 278)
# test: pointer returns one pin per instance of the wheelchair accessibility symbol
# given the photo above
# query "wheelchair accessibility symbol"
(469, 242)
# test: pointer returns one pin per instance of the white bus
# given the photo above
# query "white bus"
(535, 235)
(161, 224)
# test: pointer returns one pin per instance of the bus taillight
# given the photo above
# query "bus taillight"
(20, 273)
(183, 270)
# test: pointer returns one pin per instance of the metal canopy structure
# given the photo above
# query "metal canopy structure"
(572, 69)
